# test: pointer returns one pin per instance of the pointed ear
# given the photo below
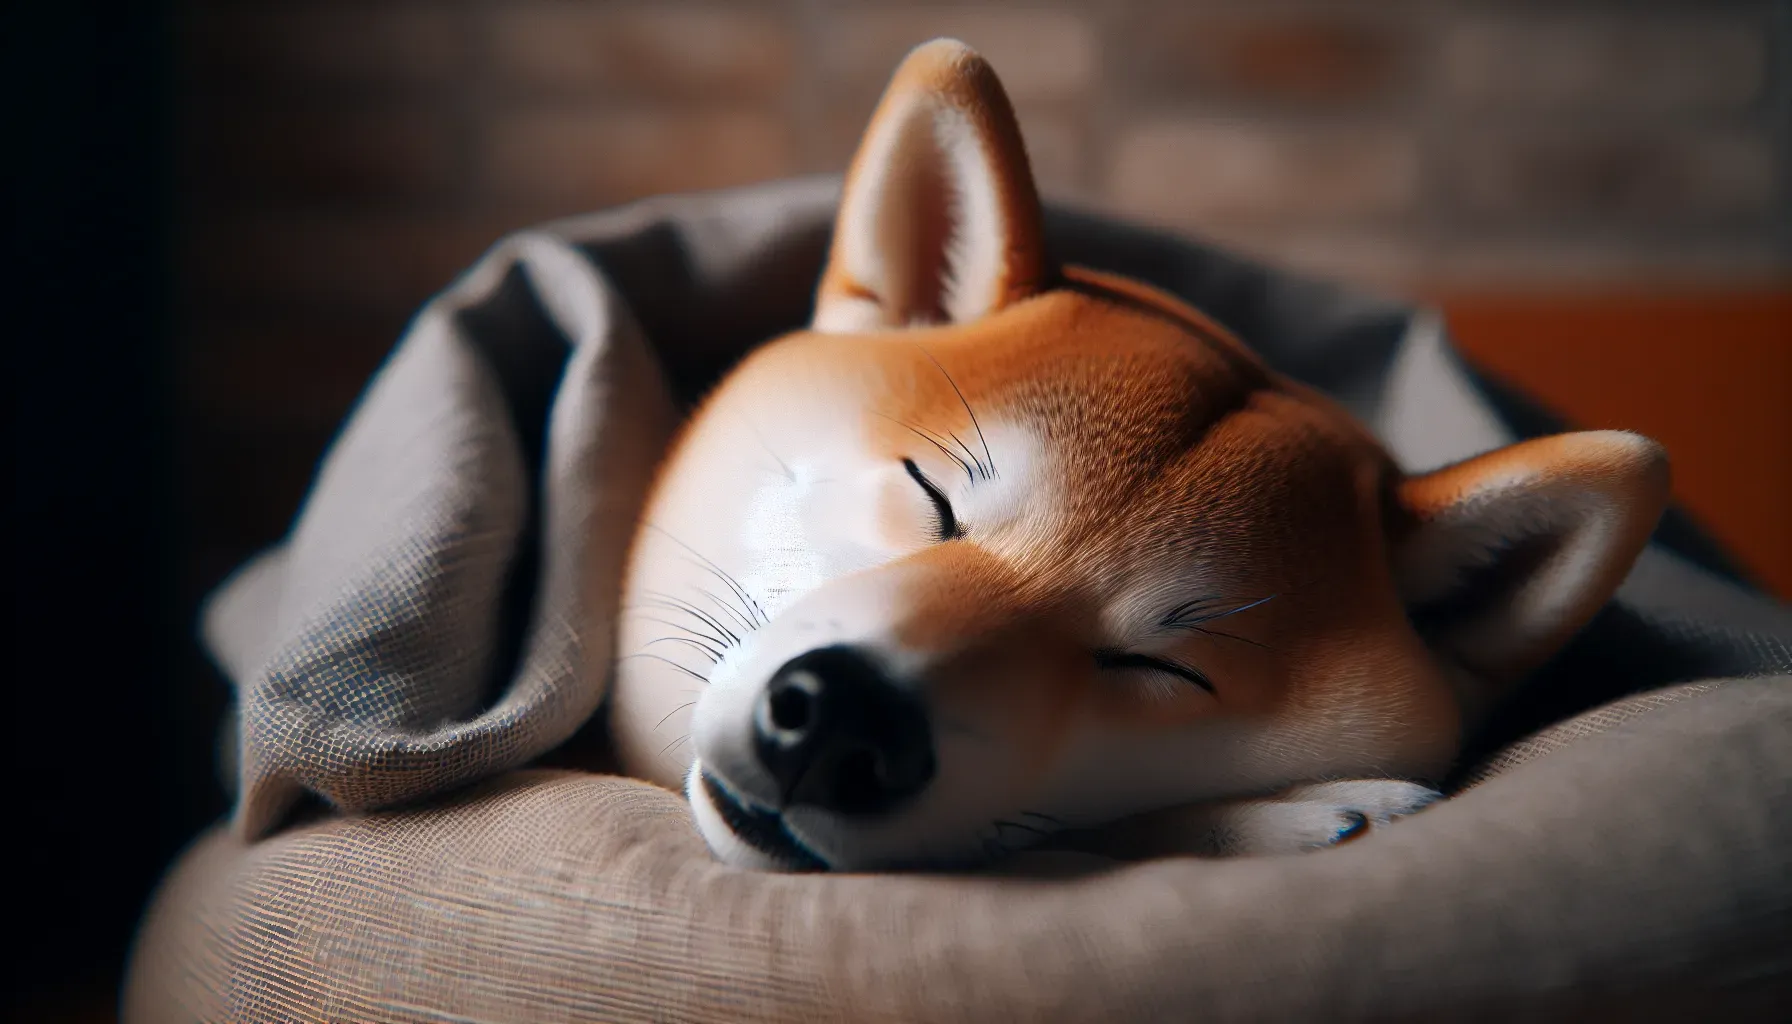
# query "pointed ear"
(940, 220)
(1502, 558)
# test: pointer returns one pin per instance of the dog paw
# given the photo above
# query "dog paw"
(1275, 827)
(1379, 800)
(1321, 815)
(1306, 817)
(1354, 823)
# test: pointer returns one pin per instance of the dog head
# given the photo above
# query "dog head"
(997, 547)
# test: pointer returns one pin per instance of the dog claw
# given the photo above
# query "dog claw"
(1355, 824)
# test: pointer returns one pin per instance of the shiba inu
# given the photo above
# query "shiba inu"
(997, 550)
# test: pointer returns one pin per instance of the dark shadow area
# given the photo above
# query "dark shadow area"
(104, 753)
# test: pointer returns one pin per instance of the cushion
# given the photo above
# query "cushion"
(438, 620)
(1640, 871)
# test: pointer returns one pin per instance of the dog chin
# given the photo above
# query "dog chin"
(742, 834)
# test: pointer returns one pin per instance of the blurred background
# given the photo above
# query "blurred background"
(227, 211)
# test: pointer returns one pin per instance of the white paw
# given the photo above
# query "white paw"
(1319, 815)
(1272, 827)
(1362, 804)
(1382, 800)
(1306, 817)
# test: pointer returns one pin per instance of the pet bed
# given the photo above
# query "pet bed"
(431, 634)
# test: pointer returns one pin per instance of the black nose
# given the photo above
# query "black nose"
(837, 733)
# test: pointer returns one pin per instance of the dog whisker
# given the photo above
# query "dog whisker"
(789, 474)
(1190, 613)
(733, 612)
(715, 570)
(1187, 608)
(1002, 824)
(967, 450)
(718, 642)
(711, 653)
(991, 472)
(1191, 628)
(691, 609)
(718, 570)
(932, 439)
(1190, 616)
(682, 668)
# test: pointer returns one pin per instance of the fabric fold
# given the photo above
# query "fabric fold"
(435, 599)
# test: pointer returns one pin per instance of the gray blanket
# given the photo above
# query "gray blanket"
(440, 615)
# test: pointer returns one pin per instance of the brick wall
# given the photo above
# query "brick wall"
(340, 160)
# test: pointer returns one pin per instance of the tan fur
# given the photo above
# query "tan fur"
(1143, 458)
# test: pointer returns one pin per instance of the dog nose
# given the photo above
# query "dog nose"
(837, 733)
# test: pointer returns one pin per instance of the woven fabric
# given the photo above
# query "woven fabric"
(1564, 734)
(1640, 873)
(522, 414)
(440, 617)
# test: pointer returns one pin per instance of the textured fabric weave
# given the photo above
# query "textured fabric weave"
(440, 617)
(1604, 881)
(1596, 721)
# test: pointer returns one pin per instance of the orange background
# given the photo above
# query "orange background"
(1707, 373)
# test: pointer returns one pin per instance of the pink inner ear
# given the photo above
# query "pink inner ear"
(912, 205)
(940, 220)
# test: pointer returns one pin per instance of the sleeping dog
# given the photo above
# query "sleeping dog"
(997, 550)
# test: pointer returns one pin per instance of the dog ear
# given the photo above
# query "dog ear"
(1502, 558)
(939, 221)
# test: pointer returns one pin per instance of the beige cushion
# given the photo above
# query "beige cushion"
(1643, 869)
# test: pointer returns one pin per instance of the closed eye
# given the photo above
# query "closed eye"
(946, 523)
(1110, 659)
